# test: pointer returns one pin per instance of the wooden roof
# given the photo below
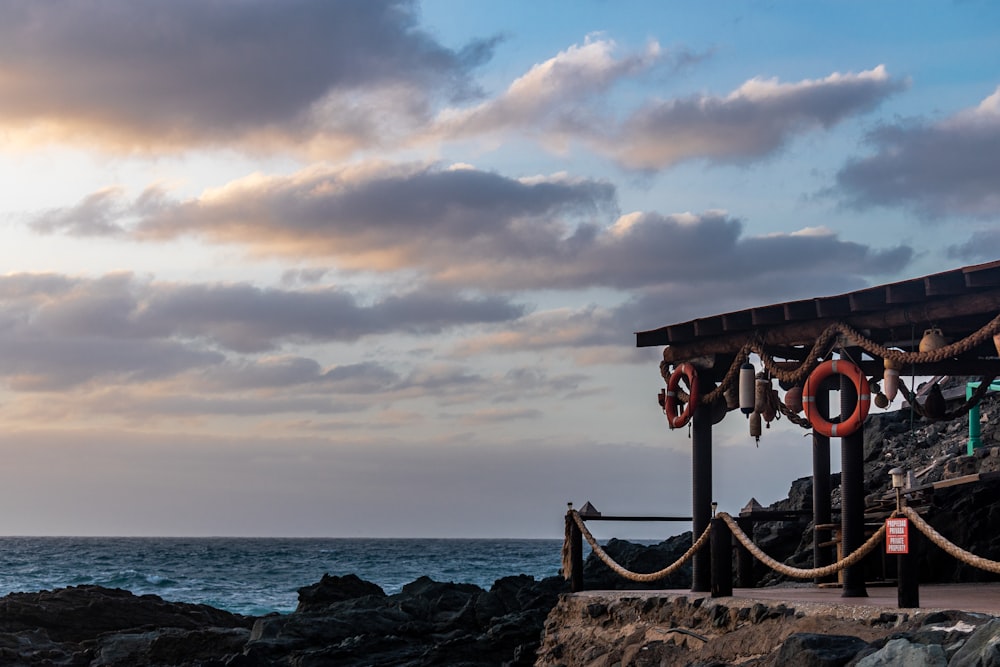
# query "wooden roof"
(959, 302)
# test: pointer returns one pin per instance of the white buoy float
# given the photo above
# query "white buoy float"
(747, 385)
(890, 379)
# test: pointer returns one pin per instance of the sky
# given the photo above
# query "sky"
(373, 268)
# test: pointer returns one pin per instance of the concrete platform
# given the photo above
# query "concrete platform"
(982, 597)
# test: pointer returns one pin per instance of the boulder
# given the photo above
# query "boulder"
(330, 590)
(903, 652)
(816, 650)
(982, 649)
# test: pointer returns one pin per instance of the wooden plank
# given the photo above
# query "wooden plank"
(707, 326)
(738, 321)
(986, 276)
(957, 481)
(944, 284)
(869, 299)
(907, 292)
(768, 315)
(800, 310)
(680, 333)
(798, 333)
(834, 306)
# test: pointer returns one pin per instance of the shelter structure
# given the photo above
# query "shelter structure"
(942, 324)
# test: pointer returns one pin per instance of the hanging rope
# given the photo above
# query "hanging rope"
(950, 548)
(960, 411)
(854, 558)
(824, 344)
(796, 419)
(618, 569)
(798, 572)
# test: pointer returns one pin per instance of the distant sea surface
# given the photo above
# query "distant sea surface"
(256, 576)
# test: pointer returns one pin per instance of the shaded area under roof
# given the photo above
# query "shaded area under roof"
(959, 302)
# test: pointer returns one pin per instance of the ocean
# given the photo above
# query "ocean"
(257, 576)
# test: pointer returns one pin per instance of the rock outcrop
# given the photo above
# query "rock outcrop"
(339, 621)
(90, 625)
(646, 628)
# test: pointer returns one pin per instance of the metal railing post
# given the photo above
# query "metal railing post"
(722, 558)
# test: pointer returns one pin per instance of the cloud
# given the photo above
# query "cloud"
(466, 228)
(135, 76)
(548, 97)
(981, 246)
(444, 221)
(936, 170)
(752, 122)
(57, 331)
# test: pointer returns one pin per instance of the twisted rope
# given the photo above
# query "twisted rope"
(950, 548)
(798, 572)
(793, 417)
(825, 342)
(960, 411)
(855, 557)
(621, 571)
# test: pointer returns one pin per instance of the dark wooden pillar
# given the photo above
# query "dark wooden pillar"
(852, 489)
(822, 513)
(907, 581)
(722, 559)
(575, 555)
(701, 493)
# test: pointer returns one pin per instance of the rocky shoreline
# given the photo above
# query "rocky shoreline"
(646, 629)
(346, 621)
(339, 621)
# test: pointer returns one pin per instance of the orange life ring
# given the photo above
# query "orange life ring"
(813, 383)
(670, 398)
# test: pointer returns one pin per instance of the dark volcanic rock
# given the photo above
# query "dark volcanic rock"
(639, 558)
(330, 590)
(813, 650)
(339, 621)
(84, 625)
(427, 623)
(83, 612)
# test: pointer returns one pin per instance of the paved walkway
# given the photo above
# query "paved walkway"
(981, 597)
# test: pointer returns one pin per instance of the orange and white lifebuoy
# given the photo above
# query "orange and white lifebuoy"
(813, 384)
(675, 419)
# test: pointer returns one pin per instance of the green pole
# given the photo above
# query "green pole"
(974, 434)
(975, 438)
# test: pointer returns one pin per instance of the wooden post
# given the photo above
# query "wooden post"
(852, 488)
(822, 513)
(907, 580)
(722, 559)
(701, 493)
(575, 555)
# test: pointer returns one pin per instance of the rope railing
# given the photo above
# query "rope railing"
(798, 572)
(948, 546)
(641, 577)
(781, 568)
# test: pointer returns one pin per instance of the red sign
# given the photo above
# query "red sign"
(897, 536)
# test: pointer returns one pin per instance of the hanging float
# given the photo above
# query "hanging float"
(815, 382)
(890, 379)
(748, 379)
(674, 418)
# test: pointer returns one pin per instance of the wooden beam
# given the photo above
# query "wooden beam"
(805, 333)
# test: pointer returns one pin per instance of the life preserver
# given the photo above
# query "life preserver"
(670, 398)
(813, 383)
